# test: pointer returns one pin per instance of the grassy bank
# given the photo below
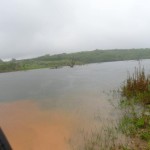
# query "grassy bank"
(135, 105)
(71, 59)
(131, 131)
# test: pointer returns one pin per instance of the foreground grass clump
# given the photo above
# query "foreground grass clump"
(135, 102)
(137, 86)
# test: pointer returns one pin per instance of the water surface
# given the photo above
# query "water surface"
(43, 109)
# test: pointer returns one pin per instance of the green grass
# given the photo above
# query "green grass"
(133, 125)
(134, 103)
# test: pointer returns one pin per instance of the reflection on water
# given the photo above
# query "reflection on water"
(43, 109)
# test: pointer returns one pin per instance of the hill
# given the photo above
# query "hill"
(78, 58)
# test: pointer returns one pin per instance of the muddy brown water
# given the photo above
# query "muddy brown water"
(43, 109)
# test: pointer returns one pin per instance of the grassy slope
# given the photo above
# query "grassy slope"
(101, 55)
(77, 58)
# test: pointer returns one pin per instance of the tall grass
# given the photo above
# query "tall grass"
(137, 86)
(133, 125)
(135, 100)
(105, 138)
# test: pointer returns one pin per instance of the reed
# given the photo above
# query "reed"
(135, 102)
(137, 86)
(133, 124)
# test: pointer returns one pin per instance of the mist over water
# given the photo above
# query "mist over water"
(43, 109)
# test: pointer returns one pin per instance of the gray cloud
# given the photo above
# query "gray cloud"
(35, 27)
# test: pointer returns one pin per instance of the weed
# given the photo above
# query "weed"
(145, 136)
(137, 86)
(135, 102)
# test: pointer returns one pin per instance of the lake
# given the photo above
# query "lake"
(45, 108)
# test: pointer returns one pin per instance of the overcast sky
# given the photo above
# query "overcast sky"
(36, 27)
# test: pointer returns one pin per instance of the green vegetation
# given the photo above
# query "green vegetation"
(132, 131)
(137, 87)
(78, 58)
(136, 105)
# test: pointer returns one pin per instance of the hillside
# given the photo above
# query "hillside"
(78, 58)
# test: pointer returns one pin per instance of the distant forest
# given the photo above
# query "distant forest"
(71, 59)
